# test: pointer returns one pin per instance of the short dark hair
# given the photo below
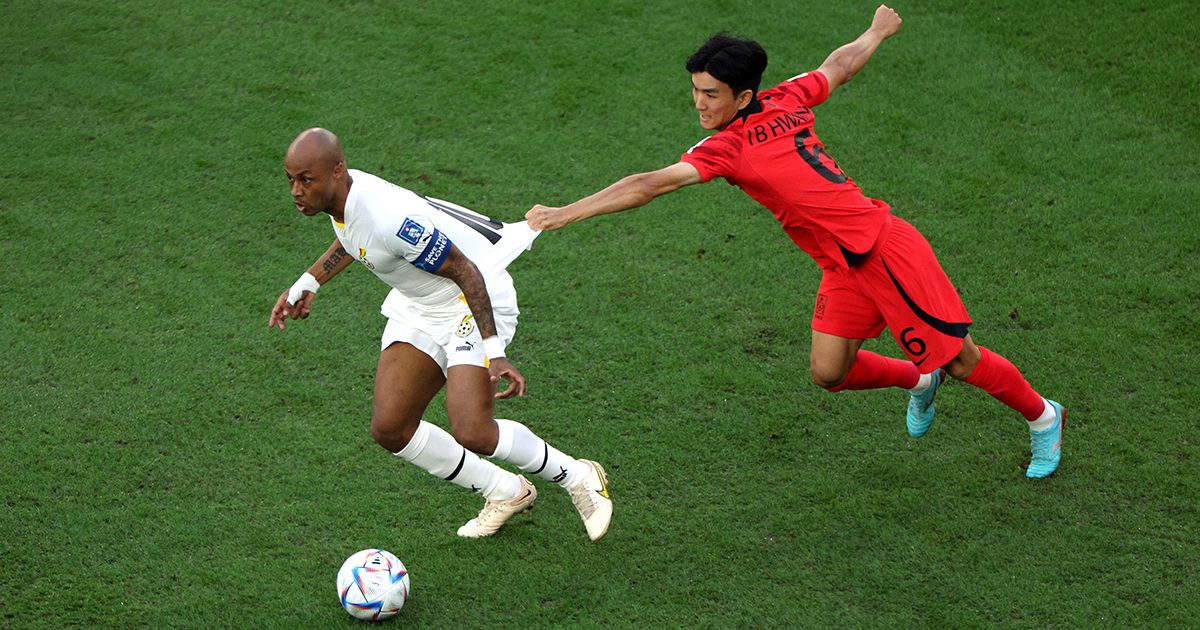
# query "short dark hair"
(732, 60)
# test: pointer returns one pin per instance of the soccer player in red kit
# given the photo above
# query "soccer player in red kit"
(878, 270)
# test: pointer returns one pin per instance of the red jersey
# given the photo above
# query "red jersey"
(771, 152)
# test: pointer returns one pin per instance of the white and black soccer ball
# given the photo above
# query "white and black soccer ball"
(373, 585)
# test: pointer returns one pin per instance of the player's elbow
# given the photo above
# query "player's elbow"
(645, 187)
(835, 74)
(638, 190)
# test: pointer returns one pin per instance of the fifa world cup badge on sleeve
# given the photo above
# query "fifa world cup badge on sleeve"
(410, 232)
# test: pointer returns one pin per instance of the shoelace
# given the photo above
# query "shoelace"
(1043, 441)
(584, 500)
(488, 509)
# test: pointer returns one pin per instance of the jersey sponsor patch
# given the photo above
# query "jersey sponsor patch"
(410, 232)
(436, 249)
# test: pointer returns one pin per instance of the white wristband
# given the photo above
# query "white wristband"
(306, 283)
(493, 348)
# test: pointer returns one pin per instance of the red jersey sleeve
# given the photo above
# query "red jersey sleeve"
(714, 156)
(810, 88)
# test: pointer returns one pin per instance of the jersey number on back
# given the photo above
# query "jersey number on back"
(812, 154)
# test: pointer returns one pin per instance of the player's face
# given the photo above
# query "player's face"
(313, 187)
(715, 100)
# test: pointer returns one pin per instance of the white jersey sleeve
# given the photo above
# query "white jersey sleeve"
(418, 241)
(404, 239)
(490, 244)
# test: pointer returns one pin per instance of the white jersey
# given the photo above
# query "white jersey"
(403, 238)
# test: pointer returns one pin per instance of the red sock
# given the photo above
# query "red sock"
(1000, 378)
(873, 371)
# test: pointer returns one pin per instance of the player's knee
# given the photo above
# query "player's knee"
(393, 433)
(961, 366)
(958, 370)
(475, 436)
(827, 376)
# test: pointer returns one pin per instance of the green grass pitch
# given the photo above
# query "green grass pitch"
(167, 460)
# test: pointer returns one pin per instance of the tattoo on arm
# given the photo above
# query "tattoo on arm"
(334, 258)
(330, 263)
(465, 274)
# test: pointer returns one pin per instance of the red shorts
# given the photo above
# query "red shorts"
(900, 285)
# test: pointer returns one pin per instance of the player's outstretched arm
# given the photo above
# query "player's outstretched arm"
(843, 63)
(295, 301)
(465, 274)
(631, 192)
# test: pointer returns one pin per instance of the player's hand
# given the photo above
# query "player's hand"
(500, 368)
(545, 218)
(283, 310)
(887, 22)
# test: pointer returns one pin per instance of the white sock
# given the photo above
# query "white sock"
(518, 445)
(435, 450)
(923, 383)
(1046, 420)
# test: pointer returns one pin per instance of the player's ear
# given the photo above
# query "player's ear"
(744, 98)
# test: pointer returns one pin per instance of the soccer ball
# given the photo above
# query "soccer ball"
(372, 585)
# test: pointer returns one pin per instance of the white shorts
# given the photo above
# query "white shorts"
(449, 339)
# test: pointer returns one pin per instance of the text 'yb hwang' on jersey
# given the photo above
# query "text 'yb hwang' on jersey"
(771, 152)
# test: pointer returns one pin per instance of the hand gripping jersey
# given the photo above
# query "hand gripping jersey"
(403, 238)
(771, 152)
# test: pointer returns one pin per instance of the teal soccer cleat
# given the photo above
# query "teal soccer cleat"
(921, 407)
(1046, 446)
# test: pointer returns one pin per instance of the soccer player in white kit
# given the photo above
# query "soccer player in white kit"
(451, 312)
